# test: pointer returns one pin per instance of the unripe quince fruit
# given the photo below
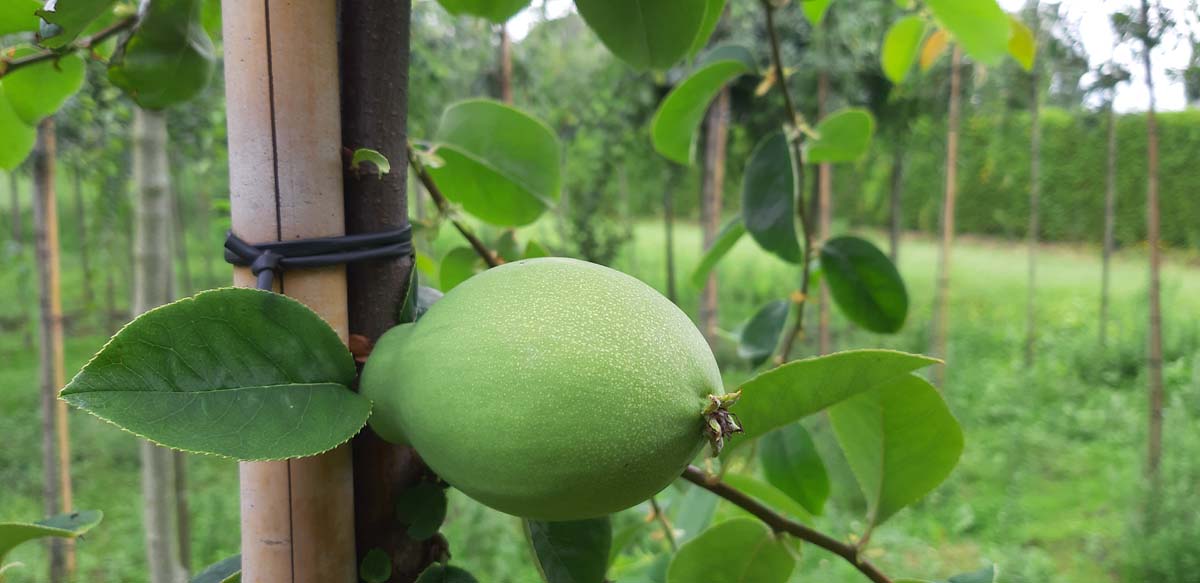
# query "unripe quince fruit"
(551, 389)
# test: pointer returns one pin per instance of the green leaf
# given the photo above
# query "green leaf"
(742, 549)
(979, 25)
(445, 574)
(843, 136)
(497, 11)
(713, 9)
(210, 18)
(692, 512)
(423, 509)
(726, 239)
(760, 335)
(228, 570)
(647, 35)
(507, 245)
(767, 494)
(623, 538)
(168, 59)
(67, 19)
(900, 47)
(814, 10)
(534, 249)
(500, 164)
(1023, 44)
(458, 266)
(382, 165)
(18, 16)
(37, 91)
(376, 567)
(987, 574)
(900, 440)
(769, 198)
(17, 136)
(240, 373)
(790, 392)
(865, 284)
(571, 552)
(62, 526)
(675, 124)
(791, 463)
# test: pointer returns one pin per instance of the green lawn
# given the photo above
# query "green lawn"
(1048, 486)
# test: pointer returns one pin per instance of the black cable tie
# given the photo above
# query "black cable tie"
(265, 260)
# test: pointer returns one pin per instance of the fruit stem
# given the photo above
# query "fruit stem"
(719, 421)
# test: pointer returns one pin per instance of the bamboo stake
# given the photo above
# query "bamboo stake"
(286, 183)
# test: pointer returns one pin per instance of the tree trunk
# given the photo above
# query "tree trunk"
(897, 192)
(506, 66)
(152, 276)
(669, 226)
(1110, 221)
(375, 61)
(56, 453)
(824, 218)
(285, 182)
(15, 195)
(1035, 195)
(711, 195)
(941, 326)
(1154, 356)
(81, 225)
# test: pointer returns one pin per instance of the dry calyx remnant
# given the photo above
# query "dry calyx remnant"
(719, 421)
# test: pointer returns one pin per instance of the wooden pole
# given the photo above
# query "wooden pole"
(285, 169)
(56, 446)
(941, 327)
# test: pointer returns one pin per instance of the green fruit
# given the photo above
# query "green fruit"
(551, 389)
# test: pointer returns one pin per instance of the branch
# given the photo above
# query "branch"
(780, 523)
(86, 43)
(490, 257)
(668, 532)
(796, 139)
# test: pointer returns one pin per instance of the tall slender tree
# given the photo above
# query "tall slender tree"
(941, 327)
(1108, 77)
(716, 134)
(1035, 194)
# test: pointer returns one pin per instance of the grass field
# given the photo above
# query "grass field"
(1048, 487)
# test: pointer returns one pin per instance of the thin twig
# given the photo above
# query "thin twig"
(668, 532)
(796, 139)
(780, 523)
(490, 257)
(84, 44)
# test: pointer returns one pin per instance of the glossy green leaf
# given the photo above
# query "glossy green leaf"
(692, 512)
(500, 164)
(458, 266)
(239, 373)
(445, 574)
(900, 440)
(900, 47)
(210, 18)
(788, 393)
(865, 284)
(767, 494)
(376, 567)
(423, 509)
(534, 249)
(37, 91)
(814, 10)
(379, 161)
(713, 9)
(742, 549)
(843, 136)
(647, 35)
(980, 26)
(168, 59)
(228, 570)
(677, 121)
(18, 16)
(65, 20)
(68, 525)
(987, 574)
(726, 239)
(760, 335)
(1023, 44)
(17, 136)
(769, 198)
(571, 552)
(497, 11)
(791, 463)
